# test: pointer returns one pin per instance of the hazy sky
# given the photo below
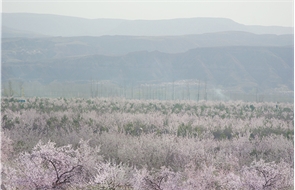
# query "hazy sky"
(249, 12)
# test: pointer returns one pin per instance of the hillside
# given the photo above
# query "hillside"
(56, 25)
(238, 68)
(33, 49)
(218, 52)
(14, 33)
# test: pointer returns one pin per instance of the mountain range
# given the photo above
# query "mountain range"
(26, 49)
(65, 26)
(236, 67)
(215, 51)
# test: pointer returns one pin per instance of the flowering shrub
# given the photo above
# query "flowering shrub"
(6, 147)
(146, 144)
(112, 176)
(262, 175)
(50, 167)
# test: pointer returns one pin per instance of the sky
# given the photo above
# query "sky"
(249, 12)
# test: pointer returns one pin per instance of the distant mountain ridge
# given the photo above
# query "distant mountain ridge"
(33, 49)
(13, 33)
(52, 49)
(55, 25)
(239, 68)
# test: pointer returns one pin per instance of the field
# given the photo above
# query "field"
(111, 143)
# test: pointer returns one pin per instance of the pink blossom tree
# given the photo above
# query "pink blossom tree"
(51, 167)
(262, 175)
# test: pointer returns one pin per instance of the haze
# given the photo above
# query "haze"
(266, 13)
(196, 50)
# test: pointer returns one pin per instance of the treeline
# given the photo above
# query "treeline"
(180, 90)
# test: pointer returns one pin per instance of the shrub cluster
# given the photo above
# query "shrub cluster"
(137, 144)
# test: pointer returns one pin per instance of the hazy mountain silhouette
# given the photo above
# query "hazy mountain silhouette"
(237, 67)
(52, 48)
(13, 33)
(24, 49)
(55, 25)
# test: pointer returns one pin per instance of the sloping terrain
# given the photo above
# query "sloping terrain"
(56, 25)
(30, 49)
(230, 67)
(48, 49)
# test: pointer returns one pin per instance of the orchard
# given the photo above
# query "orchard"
(112, 143)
